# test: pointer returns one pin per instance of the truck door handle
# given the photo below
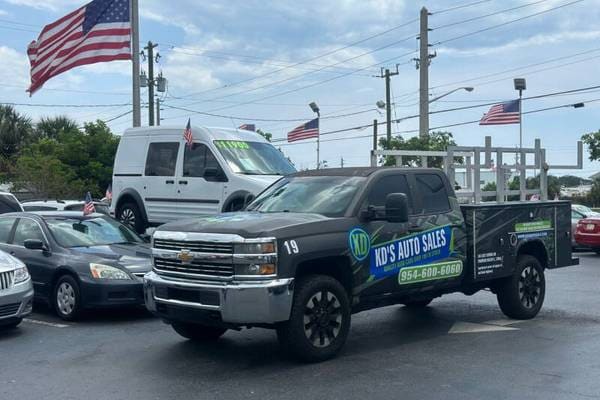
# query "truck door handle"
(183, 182)
(170, 182)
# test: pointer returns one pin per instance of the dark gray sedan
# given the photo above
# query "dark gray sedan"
(78, 262)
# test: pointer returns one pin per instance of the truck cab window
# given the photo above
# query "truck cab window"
(433, 192)
(386, 185)
(196, 159)
(162, 159)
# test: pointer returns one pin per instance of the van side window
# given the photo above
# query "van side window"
(162, 159)
(434, 194)
(196, 159)
(386, 185)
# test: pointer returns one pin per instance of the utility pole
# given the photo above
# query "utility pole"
(342, 162)
(157, 111)
(388, 99)
(135, 55)
(150, 49)
(423, 65)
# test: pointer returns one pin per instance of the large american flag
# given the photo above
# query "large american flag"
(97, 32)
(502, 114)
(248, 127)
(89, 207)
(305, 131)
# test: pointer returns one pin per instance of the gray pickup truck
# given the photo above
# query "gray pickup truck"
(318, 246)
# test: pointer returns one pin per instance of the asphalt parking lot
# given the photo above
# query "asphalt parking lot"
(458, 348)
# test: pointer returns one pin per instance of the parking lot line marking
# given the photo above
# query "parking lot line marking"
(470, 327)
(38, 322)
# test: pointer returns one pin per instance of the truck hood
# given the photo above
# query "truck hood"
(246, 224)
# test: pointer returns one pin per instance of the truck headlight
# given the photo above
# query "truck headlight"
(21, 275)
(255, 269)
(101, 271)
(254, 248)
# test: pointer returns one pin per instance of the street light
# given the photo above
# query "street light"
(315, 108)
(467, 88)
(520, 85)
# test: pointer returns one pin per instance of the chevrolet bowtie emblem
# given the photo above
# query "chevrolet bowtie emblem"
(185, 256)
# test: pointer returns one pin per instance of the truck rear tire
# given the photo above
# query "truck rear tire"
(522, 295)
(319, 321)
(198, 333)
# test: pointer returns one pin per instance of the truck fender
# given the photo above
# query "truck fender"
(535, 248)
(130, 193)
(334, 264)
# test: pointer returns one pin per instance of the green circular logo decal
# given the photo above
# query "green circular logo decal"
(360, 243)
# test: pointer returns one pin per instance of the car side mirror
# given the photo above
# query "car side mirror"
(396, 208)
(34, 244)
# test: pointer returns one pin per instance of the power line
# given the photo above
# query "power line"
(262, 119)
(322, 55)
(464, 21)
(462, 36)
(118, 116)
(70, 90)
(475, 3)
(64, 105)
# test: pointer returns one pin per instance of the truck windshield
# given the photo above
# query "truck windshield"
(326, 195)
(254, 158)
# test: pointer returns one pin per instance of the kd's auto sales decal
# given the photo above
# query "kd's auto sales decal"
(418, 249)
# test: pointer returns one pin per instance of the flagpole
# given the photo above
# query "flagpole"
(318, 139)
(135, 58)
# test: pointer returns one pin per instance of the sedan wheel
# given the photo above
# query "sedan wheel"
(67, 298)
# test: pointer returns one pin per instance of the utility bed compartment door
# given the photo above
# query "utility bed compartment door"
(497, 232)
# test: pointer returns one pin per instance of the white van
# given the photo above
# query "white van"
(158, 178)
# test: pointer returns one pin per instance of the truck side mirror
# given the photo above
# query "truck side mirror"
(396, 208)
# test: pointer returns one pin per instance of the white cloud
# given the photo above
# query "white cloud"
(52, 5)
(163, 19)
(536, 40)
(3, 13)
(15, 65)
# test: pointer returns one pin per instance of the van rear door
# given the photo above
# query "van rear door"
(160, 188)
(201, 182)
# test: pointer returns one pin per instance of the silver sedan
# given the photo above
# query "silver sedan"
(16, 291)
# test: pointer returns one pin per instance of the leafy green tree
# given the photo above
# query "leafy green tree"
(592, 140)
(593, 198)
(51, 127)
(572, 181)
(46, 177)
(435, 141)
(267, 135)
(15, 132)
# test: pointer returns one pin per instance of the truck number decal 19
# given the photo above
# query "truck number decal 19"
(291, 246)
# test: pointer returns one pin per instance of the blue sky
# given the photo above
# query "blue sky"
(207, 48)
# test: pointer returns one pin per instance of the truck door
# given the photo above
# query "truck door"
(200, 182)
(160, 190)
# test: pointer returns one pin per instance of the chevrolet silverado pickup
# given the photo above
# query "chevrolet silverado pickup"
(318, 246)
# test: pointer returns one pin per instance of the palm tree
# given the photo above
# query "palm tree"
(52, 127)
(15, 131)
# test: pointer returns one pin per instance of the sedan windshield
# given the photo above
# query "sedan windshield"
(75, 232)
(254, 158)
(325, 195)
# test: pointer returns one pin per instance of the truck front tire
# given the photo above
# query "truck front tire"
(522, 295)
(198, 333)
(319, 320)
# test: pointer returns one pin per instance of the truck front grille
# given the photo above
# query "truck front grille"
(195, 246)
(6, 280)
(193, 269)
(9, 309)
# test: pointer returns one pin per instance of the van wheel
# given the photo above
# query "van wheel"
(522, 295)
(319, 321)
(235, 205)
(130, 215)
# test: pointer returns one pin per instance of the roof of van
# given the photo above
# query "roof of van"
(213, 133)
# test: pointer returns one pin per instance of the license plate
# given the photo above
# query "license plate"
(590, 227)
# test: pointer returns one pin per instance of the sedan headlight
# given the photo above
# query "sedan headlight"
(21, 275)
(101, 271)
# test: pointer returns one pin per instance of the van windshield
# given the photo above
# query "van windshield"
(254, 158)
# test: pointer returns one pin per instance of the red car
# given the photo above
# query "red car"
(587, 233)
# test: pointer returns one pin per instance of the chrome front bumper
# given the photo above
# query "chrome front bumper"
(256, 302)
(17, 301)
